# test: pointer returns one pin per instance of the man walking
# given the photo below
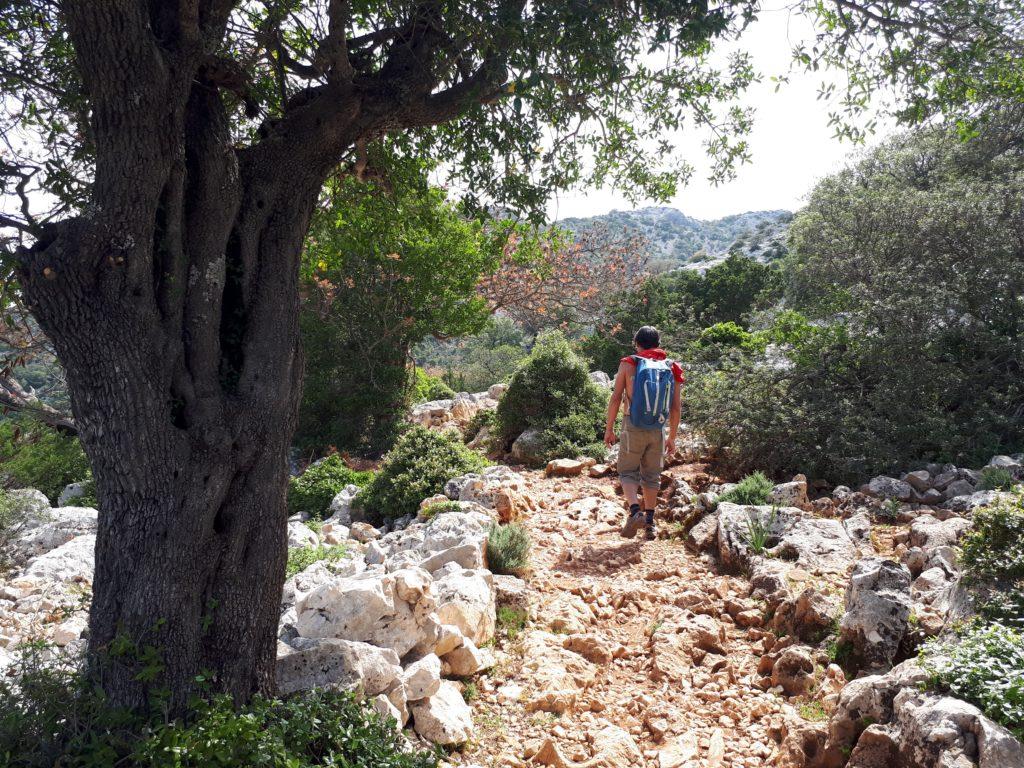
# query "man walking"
(650, 383)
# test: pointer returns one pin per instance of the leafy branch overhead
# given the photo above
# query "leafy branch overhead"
(530, 93)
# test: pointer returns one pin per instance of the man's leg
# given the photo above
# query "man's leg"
(630, 455)
(650, 478)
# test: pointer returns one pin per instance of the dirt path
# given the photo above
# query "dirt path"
(633, 655)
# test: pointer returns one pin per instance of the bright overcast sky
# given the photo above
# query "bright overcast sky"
(792, 145)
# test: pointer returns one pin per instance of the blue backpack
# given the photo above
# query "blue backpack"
(652, 393)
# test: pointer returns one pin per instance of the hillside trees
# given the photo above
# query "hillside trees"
(905, 335)
(387, 263)
(182, 148)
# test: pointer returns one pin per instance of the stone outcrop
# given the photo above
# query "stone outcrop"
(878, 608)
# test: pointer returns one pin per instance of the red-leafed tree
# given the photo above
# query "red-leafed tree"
(565, 281)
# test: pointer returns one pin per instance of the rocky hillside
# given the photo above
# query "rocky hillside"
(783, 634)
(678, 240)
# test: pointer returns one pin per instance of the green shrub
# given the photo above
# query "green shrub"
(511, 621)
(300, 558)
(12, 518)
(985, 667)
(759, 531)
(571, 436)
(34, 455)
(552, 392)
(439, 508)
(994, 547)
(508, 549)
(996, 479)
(53, 717)
(311, 492)
(419, 465)
(426, 388)
(482, 418)
(755, 488)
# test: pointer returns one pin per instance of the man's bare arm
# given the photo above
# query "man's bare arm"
(674, 413)
(613, 405)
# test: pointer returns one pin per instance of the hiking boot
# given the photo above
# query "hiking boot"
(650, 533)
(633, 524)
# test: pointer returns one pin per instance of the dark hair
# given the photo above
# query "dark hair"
(647, 337)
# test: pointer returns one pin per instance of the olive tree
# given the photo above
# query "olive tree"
(164, 160)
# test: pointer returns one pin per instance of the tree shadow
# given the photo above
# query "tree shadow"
(599, 561)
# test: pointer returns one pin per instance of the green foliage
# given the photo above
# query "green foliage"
(985, 666)
(571, 436)
(511, 622)
(729, 334)
(385, 266)
(476, 362)
(759, 531)
(12, 518)
(311, 492)
(996, 479)
(53, 716)
(34, 455)
(485, 417)
(552, 391)
(994, 546)
(508, 549)
(755, 488)
(300, 558)
(814, 711)
(440, 508)
(865, 372)
(1004, 606)
(426, 388)
(417, 467)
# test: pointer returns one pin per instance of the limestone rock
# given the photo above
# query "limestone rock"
(528, 448)
(50, 528)
(336, 665)
(791, 494)
(467, 660)
(928, 531)
(301, 536)
(794, 671)
(341, 505)
(465, 599)
(422, 678)
(511, 591)
(557, 677)
(615, 748)
(68, 563)
(363, 532)
(565, 468)
(391, 611)
(877, 611)
(443, 718)
(888, 488)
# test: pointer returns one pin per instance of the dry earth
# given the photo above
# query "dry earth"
(637, 652)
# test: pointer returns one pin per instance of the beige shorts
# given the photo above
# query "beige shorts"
(641, 452)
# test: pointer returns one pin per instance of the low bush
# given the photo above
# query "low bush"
(425, 388)
(571, 436)
(300, 558)
(52, 716)
(755, 488)
(985, 667)
(419, 465)
(994, 547)
(482, 418)
(552, 391)
(12, 518)
(996, 479)
(511, 621)
(34, 455)
(439, 508)
(311, 492)
(508, 549)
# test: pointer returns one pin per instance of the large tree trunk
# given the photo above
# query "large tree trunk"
(173, 306)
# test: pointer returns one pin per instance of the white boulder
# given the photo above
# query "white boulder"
(443, 718)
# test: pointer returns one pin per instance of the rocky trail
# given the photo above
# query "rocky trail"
(781, 635)
(639, 653)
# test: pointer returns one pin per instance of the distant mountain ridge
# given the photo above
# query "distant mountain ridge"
(677, 240)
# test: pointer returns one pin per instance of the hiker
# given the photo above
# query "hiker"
(650, 384)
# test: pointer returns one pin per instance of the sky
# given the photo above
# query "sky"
(792, 145)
